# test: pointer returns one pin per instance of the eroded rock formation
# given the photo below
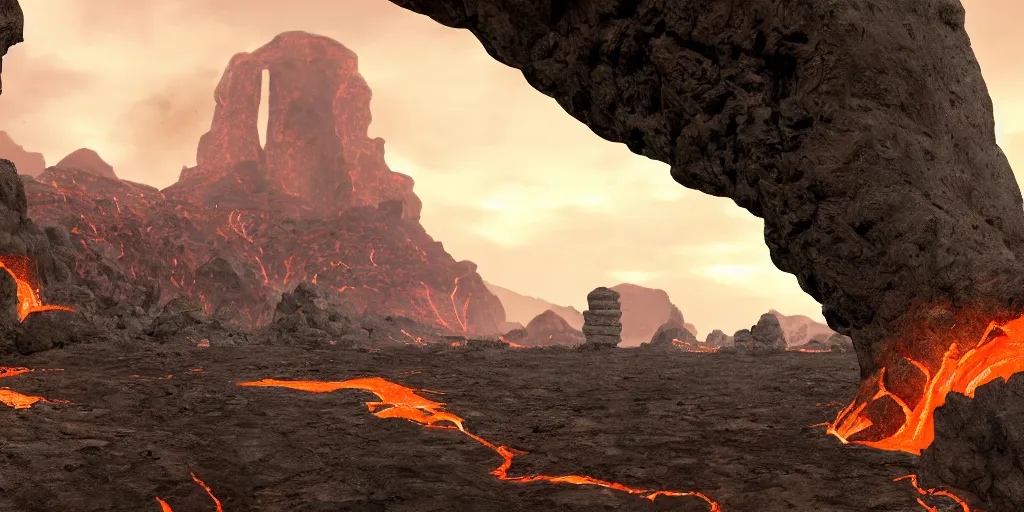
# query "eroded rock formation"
(12, 29)
(801, 329)
(247, 225)
(644, 310)
(764, 337)
(601, 321)
(547, 329)
(717, 338)
(318, 160)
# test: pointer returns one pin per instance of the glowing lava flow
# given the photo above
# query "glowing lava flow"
(26, 275)
(19, 400)
(933, 492)
(963, 368)
(165, 507)
(397, 401)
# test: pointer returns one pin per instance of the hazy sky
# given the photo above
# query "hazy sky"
(508, 180)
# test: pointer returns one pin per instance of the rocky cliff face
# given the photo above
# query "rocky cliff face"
(247, 225)
(318, 160)
(27, 162)
(522, 309)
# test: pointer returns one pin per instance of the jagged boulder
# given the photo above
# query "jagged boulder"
(764, 337)
(979, 445)
(305, 309)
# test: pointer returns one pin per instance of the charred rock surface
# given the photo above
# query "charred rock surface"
(318, 205)
(764, 337)
(979, 445)
(12, 29)
(862, 133)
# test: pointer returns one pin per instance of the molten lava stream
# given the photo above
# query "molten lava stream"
(999, 353)
(18, 400)
(397, 401)
(26, 275)
(165, 507)
(934, 492)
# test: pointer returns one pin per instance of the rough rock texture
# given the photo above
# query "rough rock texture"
(801, 329)
(672, 336)
(548, 328)
(27, 162)
(12, 29)
(601, 321)
(765, 336)
(717, 338)
(86, 160)
(318, 160)
(231, 238)
(979, 445)
(860, 131)
(644, 310)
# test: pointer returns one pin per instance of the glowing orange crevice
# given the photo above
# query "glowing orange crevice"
(397, 401)
(999, 353)
(18, 400)
(26, 275)
(165, 507)
(934, 492)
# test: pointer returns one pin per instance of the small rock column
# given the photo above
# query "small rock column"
(602, 323)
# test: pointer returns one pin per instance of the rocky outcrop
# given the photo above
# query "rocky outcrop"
(861, 132)
(87, 160)
(764, 337)
(835, 343)
(12, 29)
(979, 445)
(548, 328)
(644, 310)
(318, 160)
(27, 163)
(670, 336)
(801, 329)
(601, 321)
(231, 237)
(521, 308)
(717, 338)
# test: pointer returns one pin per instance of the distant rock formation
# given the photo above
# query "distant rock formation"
(88, 161)
(644, 310)
(522, 309)
(546, 329)
(671, 336)
(318, 160)
(317, 206)
(801, 329)
(28, 163)
(601, 321)
(765, 336)
(717, 338)
(835, 343)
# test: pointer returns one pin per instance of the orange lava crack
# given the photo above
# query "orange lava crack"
(934, 492)
(999, 353)
(165, 507)
(397, 401)
(26, 275)
(17, 400)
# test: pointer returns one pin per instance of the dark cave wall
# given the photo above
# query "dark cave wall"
(860, 131)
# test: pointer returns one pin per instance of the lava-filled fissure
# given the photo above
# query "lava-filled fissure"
(880, 418)
(26, 275)
(397, 401)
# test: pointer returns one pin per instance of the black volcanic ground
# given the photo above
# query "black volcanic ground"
(733, 426)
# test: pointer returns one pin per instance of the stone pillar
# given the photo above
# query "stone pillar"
(602, 324)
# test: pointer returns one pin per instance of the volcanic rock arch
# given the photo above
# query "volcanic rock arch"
(860, 131)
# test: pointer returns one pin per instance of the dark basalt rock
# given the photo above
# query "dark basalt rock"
(979, 445)
(861, 132)
(12, 28)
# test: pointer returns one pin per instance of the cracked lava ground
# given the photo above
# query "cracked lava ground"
(735, 428)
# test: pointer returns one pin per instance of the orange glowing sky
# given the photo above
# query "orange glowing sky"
(508, 180)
